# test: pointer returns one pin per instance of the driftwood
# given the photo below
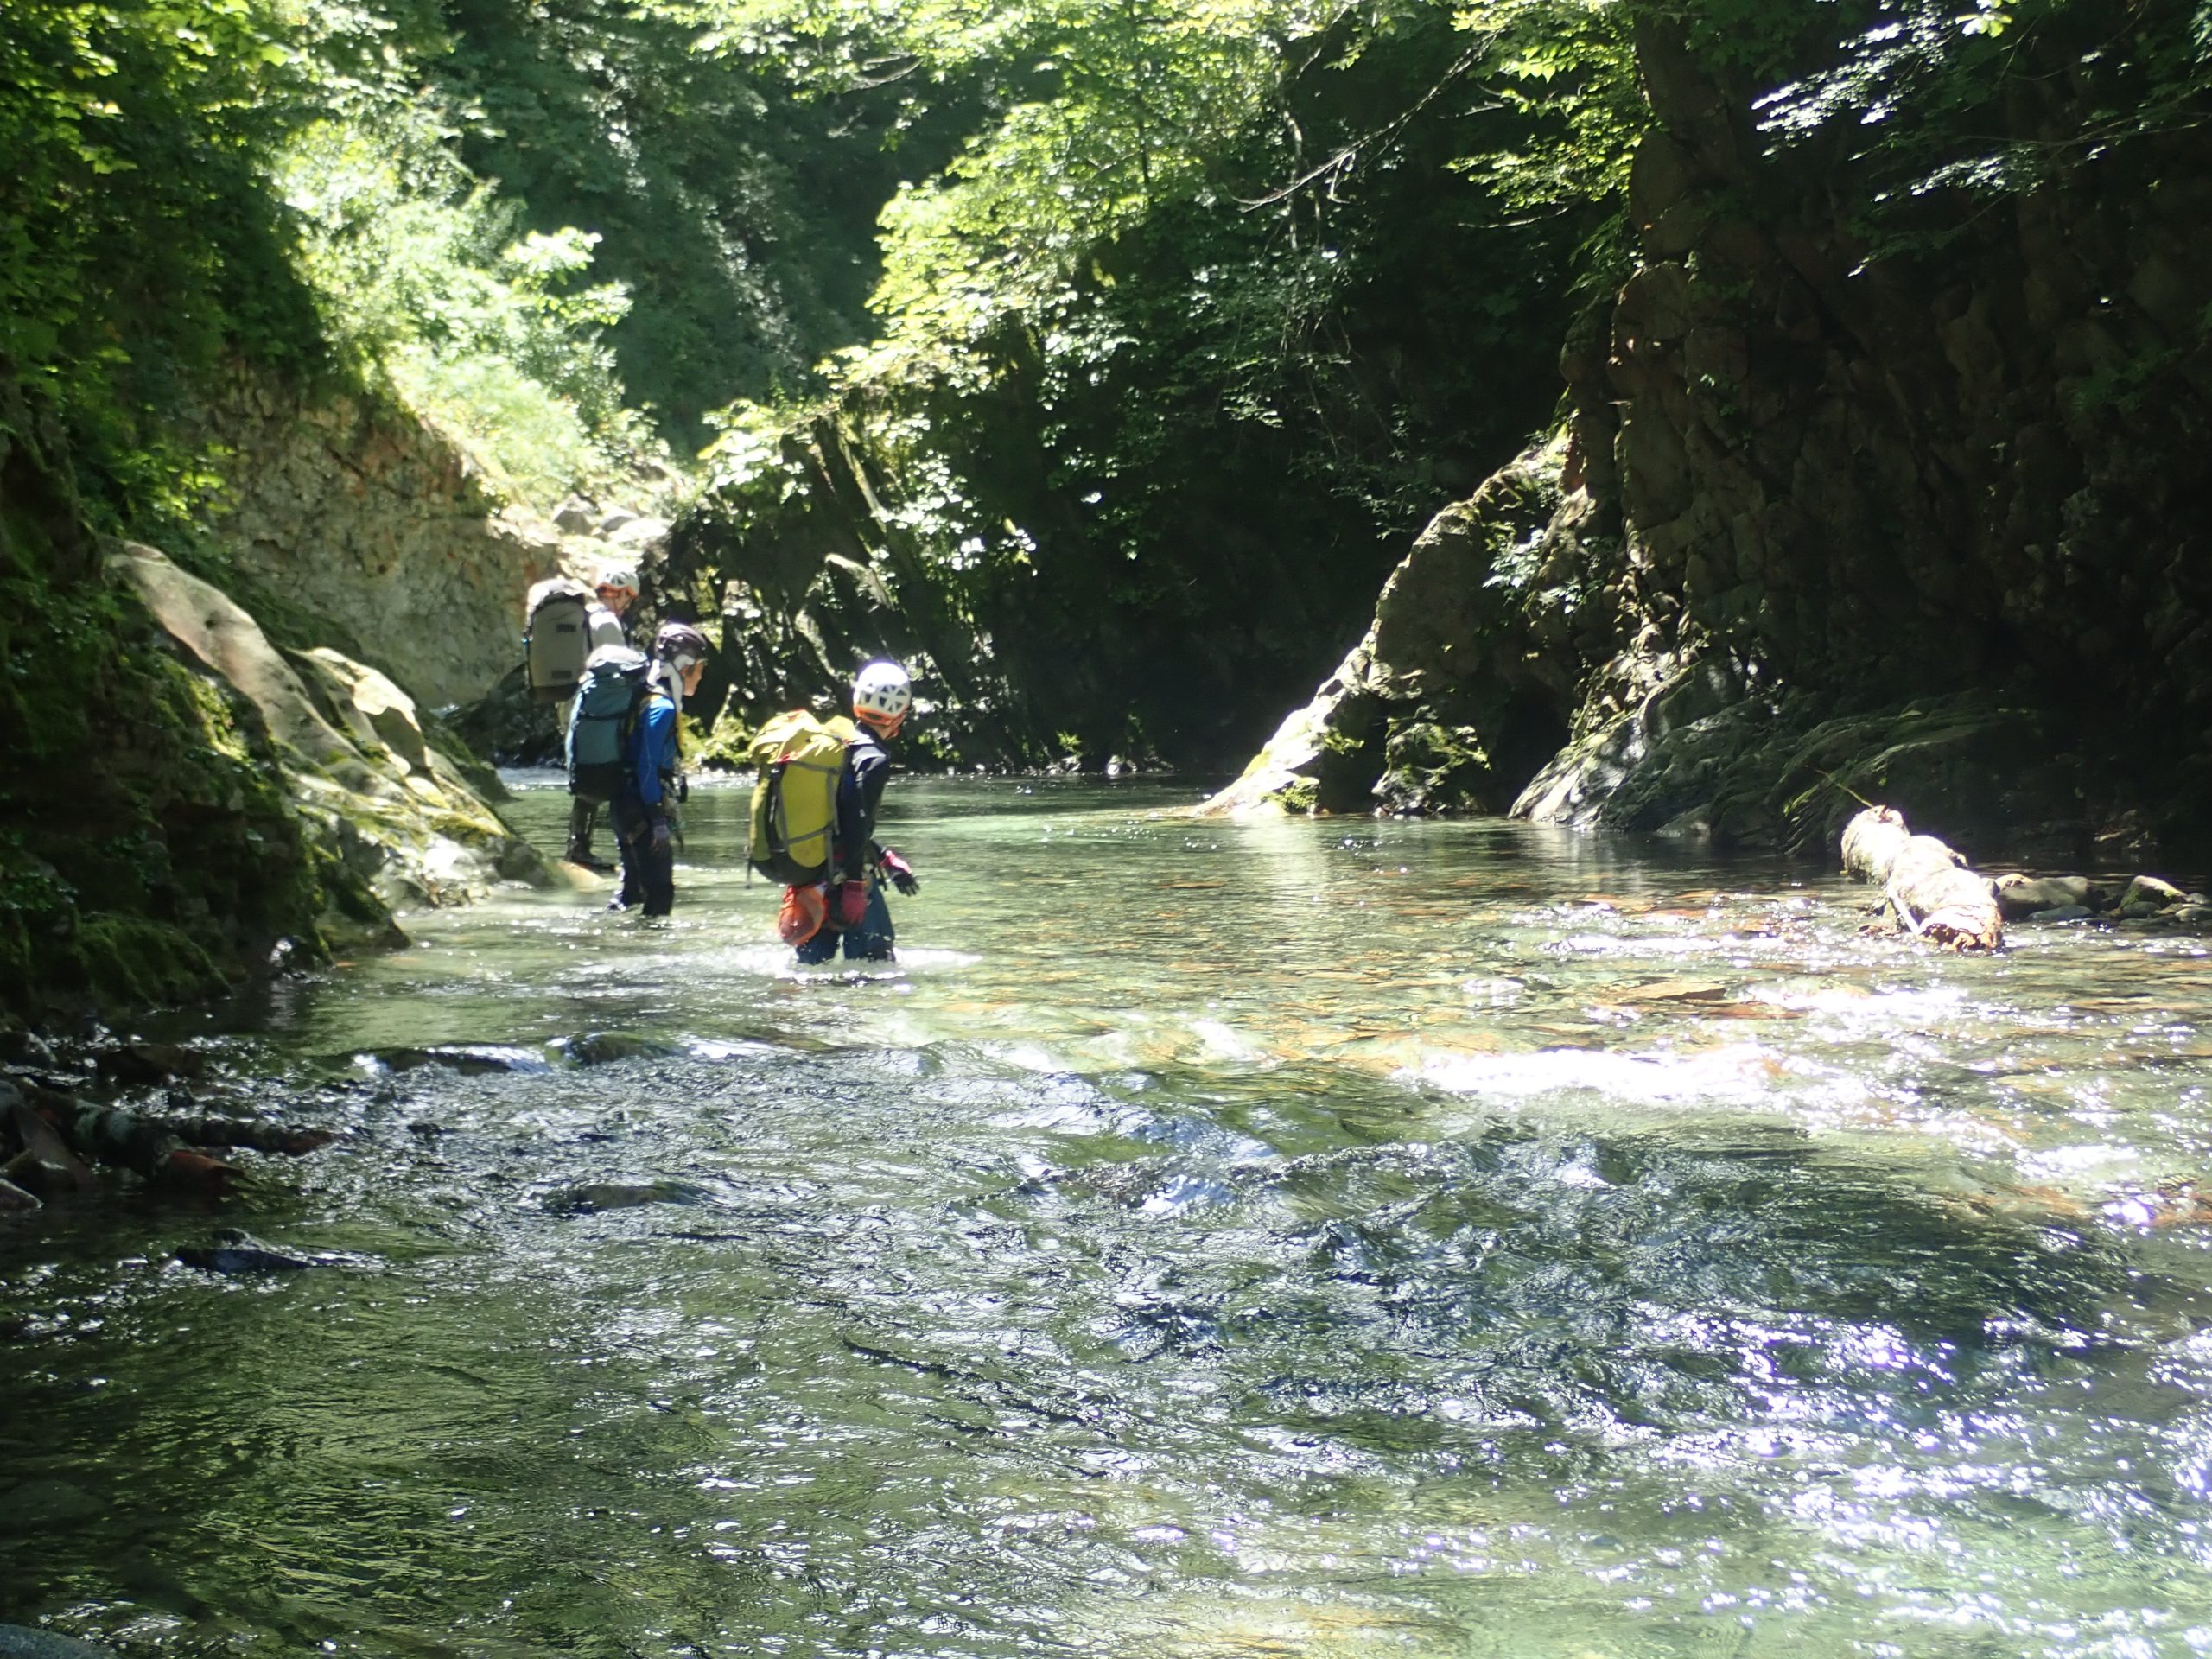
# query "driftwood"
(1927, 888)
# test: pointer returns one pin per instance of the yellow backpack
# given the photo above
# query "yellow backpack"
(797, 761)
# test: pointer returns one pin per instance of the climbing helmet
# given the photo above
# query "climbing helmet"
(882, 696)
(680, 645)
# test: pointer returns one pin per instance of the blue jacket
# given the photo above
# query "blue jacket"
(653, 744)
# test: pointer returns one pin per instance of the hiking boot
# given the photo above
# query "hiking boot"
(583, 857)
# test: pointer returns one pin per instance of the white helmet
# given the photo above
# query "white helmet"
(617, 576)
(881, 697)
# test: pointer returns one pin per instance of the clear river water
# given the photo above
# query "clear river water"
(1208, 1241)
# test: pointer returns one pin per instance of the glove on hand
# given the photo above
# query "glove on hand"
(901, 874)
(659, 836)
(852, 903)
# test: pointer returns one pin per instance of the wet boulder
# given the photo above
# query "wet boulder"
(2019, 895)
(605, 1047)
(2147, 895)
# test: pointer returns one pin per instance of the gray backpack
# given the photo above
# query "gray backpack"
(557, 638)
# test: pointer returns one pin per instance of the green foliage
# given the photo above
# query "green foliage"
(1984, 99)
(739, 216)
(137, 242)
(426, 281)
(1207, 316)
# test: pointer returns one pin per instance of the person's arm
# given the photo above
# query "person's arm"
(868, 767)
(656, 749)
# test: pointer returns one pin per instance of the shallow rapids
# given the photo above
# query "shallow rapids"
(1318, 1238)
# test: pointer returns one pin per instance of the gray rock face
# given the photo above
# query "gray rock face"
(358, 767)
(367, 516)
(2028, 895)
(1855, 493)
(1465, 680)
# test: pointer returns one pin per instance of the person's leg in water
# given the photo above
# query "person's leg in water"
(630, 828)
(582, 814)
(871, 940)
(656, 873)
(820, 947)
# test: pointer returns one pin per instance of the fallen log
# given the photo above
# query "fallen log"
(1927, 889)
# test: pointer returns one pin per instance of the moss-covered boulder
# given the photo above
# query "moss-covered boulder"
(1465, 681)
(357, 763)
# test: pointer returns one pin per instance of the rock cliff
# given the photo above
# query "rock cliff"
(1834, 512)
(379, 528)
(188, 804)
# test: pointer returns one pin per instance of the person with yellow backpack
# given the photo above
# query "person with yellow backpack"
(816, 789)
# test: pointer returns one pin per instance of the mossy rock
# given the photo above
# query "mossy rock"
(719, 748)
(129, 962)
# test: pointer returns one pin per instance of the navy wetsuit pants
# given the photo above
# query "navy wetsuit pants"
(648, 878)
(870, 942)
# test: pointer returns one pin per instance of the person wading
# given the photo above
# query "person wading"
(650, 784)
(618, 591)
(857, 920)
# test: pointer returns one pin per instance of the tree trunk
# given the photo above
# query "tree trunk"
(1927, 888)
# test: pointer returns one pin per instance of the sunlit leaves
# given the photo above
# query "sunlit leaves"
(1567, 66)
(1932, 91)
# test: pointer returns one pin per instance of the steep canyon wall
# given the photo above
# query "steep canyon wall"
(1832, 509)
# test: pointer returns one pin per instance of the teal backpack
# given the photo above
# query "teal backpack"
(609, 697)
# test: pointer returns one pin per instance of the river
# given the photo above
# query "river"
(1328, 1238)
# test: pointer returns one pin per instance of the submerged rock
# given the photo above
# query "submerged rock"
(594, 1197)
(603, 1047)
(235, 1251)
(20, 1641)
(470, 1059)
(132, 1064)
(2021, 895)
